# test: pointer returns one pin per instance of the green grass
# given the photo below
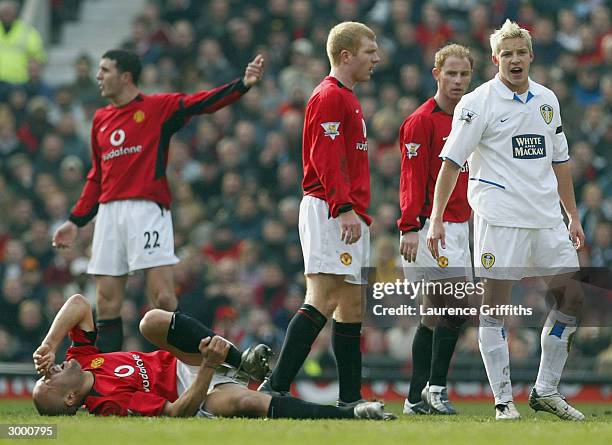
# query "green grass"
(474, 426)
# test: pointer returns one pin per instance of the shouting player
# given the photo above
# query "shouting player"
(127, 186)
(511, 127)
(333, 222)
(422, 137)
(163, 383)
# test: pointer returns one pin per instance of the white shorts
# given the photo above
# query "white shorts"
(512, 253)
(186, 374)
(454, 261)
(131, 235)
(322, 248)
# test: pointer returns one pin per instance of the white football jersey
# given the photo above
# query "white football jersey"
(513, 144)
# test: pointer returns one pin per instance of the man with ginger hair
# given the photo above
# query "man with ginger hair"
(333, 222)
(421, 137)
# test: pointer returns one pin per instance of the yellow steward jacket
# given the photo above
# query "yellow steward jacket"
(17, 47)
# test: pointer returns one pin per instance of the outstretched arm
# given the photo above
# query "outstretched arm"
(214, 352)
(75, 312)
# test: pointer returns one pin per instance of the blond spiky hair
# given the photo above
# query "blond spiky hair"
(346, 35)
(509, 30)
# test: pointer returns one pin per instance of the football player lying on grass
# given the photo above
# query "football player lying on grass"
(168, 382)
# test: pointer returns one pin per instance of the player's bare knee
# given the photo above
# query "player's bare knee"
(348, 312)
(453, 322)
(326, 306)
(108, 306)
(572, 302)
(429, 321)
(153, 322)
(569, 297)
(165, 301)
(251, 403)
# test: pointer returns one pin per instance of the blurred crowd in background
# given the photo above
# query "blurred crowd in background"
(236, 174)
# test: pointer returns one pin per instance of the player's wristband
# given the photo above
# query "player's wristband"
(241, 86)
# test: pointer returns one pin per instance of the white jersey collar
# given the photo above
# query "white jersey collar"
(534, 89)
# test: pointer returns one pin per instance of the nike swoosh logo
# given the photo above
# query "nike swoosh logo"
(504, 120)
(445, 138)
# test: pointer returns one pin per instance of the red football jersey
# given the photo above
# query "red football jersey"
(422, 136)
(335, 149)
(126, 383)
(130, 146)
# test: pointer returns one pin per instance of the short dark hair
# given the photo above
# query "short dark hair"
(127, 61)
(54, 409)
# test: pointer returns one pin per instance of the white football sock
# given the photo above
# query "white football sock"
(496, 357)
(555, 341)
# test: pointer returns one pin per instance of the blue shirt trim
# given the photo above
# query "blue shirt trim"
(529, 97)
(488, 182)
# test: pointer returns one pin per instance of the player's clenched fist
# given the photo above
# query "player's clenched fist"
(254, 71)
(214, 351)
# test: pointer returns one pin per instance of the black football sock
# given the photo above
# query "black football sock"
(421, 362)
(301, 334)
(287, 407)
(346, 343)
(444, 341)
(185, 333)
(110, 334)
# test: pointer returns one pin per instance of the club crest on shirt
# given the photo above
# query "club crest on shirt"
(139, 116)
(412, 149)
(467, 115)
(442, 261)
(97, 362)
(331, 129)
(487, 259)
(547, 113)
(346, 258)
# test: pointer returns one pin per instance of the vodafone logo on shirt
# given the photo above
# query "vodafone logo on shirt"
(117, 138)
(124, 371)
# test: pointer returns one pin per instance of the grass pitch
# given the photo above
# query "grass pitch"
(474, 426)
